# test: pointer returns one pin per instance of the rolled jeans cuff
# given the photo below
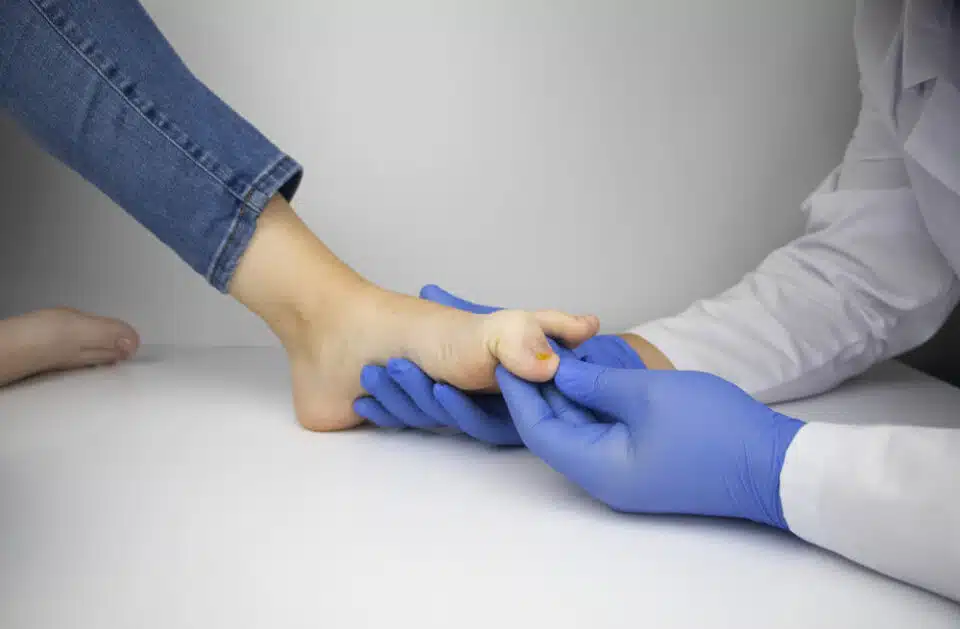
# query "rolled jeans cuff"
(280, 178)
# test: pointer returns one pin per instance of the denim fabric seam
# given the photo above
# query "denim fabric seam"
(127, 90)
(259, 193)
(270, 180)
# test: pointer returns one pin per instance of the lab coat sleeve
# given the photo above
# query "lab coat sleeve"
(887, 497)
(864, 283)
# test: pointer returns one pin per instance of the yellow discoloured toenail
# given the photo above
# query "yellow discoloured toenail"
(543, 356)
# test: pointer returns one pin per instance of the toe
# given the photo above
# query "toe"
(521, 346)
(570, 329)
(101, 333)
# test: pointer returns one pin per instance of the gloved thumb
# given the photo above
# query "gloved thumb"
(605, 389)
(432, 292)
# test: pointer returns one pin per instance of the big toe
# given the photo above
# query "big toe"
(571, 329)
(521, 346)
(102, 336)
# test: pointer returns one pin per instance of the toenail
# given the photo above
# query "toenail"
(124, 344)
(543, 356)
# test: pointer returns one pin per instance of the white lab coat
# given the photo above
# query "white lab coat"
(875, 274)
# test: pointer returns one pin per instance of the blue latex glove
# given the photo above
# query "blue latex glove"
(656, 441)
(403, 396)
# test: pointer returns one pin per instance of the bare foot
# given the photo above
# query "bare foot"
(460, 348)
(61, 338)
(332, 322)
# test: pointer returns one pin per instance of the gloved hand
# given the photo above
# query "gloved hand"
(403, 396)
(656, 441)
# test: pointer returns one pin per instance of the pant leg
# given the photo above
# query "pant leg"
(97, 84)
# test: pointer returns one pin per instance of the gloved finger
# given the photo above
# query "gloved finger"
(377, 382)
(418, 386)
(565, 408)
(611, 351)
(567, 447)
(474, 421)
(371, 410)
(629, 356)
(432, 292)
(560, 349)
(603, 389)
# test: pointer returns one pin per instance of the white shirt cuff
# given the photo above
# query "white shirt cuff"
(802, 478)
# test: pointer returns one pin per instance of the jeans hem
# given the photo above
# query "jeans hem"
(281, 177)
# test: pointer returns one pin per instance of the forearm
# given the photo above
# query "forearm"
(817, 311)
(836, 300)
(882, 496)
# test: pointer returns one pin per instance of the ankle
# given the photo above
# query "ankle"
(290, 279)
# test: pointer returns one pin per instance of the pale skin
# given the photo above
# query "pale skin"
(329, 319)
(56, 339)
(652, 357)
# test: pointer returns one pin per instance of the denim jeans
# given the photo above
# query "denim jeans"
(97, 84)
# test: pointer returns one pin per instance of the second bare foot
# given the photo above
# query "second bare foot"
(61, 338)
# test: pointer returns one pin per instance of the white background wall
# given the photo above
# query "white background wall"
(620, 157)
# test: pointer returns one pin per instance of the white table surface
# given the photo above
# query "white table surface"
(178, 491)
